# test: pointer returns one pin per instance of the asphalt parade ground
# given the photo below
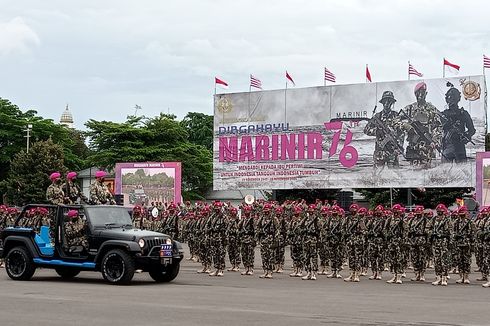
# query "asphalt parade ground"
(197, 299)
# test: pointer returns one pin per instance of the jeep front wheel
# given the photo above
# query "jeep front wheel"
(167, 275)
(117, 267)
(19, 264)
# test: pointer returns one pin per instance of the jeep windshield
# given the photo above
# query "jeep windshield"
(109, 216)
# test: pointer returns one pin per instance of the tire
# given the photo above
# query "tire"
(19, 264)
(164, 276)
(118, 267)
(67, 273)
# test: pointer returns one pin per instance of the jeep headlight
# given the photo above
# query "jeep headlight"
(141, 243)
(168, 241)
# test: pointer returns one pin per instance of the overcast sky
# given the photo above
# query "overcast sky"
(103, 57)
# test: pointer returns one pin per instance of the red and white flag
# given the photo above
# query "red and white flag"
(486, 62)
(288, 77)
(255, 82)
(329, 76)
(413, 71)
(220, 82)
(368, 74)
(454, 68)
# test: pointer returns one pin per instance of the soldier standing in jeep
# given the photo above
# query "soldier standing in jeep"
(75, 231)
(99, 193)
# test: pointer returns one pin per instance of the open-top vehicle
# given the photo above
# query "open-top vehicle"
(112, 246)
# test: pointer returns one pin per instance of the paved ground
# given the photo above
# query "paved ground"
(194, 299)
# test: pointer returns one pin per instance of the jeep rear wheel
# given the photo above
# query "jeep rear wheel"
(166, 275)
(118, 267)
(19, 264)
(67, 273)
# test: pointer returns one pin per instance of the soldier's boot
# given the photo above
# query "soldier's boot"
(461, 279)
(220, 272)
(392, 280)
(251, 271)
(404, 275)
(466, 278)
(293, 274)
(313, 276)
(299, 273)
(350, 278)
(264, 275)
(245, 272)
(416, 278)
(448, 277)
(237, 268)
(437, 281)
(214, 273)
(379, 276)
(190, 258)
(208, 269)
(269, 274)
(486, 285)
(422, 277)
(307, 276)
(356, 277)
(398, 279)
(332, 274)
(338, 275)
(444, 281)
(231, 269)
(364, 271)
(280, 269)
(483, 277)
(202, 270)
(322, 271)
(373, 277)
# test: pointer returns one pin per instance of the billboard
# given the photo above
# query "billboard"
(416, 133)
(483, 178)
(143, 183)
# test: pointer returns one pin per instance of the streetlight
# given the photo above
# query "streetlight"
(28, 130)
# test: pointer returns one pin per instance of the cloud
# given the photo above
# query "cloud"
(17, 37)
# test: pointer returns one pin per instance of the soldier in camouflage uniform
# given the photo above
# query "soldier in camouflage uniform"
(418, 236)
(279, 253)
(376, 242)
(441, 237)
(385, 125)
(463, 239)
(246, 231)
(485, 238)
(54, 193)
(191, 238)
(480, 246)
(355, 230)
(216, 230)
(423, 127)
(335, 238)
(295, 241)
(73, 194)
(267, 231)
(311, 235)
(323, 249)
(76, 230)
(204, 245)
(233, 241)
(170, 225)
(452, 247)
(396, 237)
(138, 217)
(99, 193)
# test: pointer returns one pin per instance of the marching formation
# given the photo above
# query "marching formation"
(323, 237)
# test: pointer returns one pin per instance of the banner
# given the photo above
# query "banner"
(392, 134)
(144, 183)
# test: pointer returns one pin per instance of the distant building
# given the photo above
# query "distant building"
(67, 118)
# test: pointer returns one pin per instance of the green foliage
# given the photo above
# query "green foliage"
(29, 173)
(160, 139)
(140, 178)
(199, 126)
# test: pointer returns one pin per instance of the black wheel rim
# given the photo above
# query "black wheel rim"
(114, 267)
(16, 263)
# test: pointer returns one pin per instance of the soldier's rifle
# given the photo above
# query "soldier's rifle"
(388, 133)
(454, 129)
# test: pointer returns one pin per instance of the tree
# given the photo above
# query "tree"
(199, 126)
(161, 138)
(29, 173)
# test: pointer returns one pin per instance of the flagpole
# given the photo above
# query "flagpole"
(249, 96)
(365, 72)
(324, 80)
(408, 69)
(285, 99)
(443, 69)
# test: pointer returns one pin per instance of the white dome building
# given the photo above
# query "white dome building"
(67, 118)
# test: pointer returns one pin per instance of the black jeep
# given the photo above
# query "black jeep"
(111, 245)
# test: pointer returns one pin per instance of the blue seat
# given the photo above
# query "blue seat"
(43, 241)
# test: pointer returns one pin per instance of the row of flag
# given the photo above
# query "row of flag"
(330, 76)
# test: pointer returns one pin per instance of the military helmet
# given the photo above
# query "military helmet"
(463, 210)
(311, 208)
(324, 210)
(397, 208)
(379, 209)
(419, 209)
(279, 210)
(297, 209)
(387, 95)
(54, 176)
(441, 207)
(353, 208)
(267, 207)
(362, 211)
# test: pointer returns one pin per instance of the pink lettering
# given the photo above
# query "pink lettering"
(228, 149)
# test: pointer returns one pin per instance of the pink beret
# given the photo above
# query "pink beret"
(419, 86)
(55, 175)
(100, 174)
(71, 175)
(72, 213)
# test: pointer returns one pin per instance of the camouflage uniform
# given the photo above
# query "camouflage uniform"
(279, 253)
(418, 233)
(233, 244)
(482, 250)
(216, 230)
(441, 239)
(423, 128)
(396, 237)
(355, 231)
(385, 125)
(246, 231)
(335, 238)
(55, 194)
(100, 194)
(311, 235)
(170, 225)
(267, 230)
(376, 245)
(485, 238)
(323, 248)
(296, 245)
(463, 239)
(204, 242)
(72, 192)
(76, 233)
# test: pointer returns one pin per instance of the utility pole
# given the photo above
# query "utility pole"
(136, 108)
(28, 131)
